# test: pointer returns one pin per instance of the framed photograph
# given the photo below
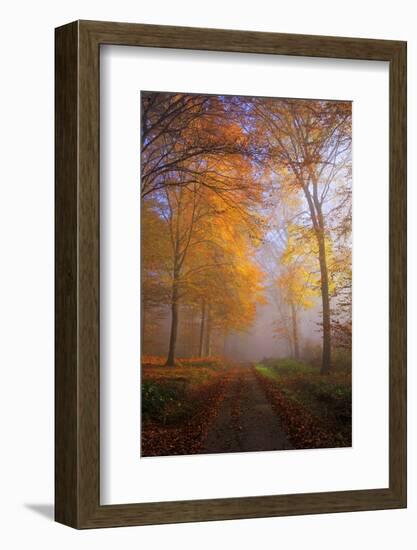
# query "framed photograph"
(230, 274)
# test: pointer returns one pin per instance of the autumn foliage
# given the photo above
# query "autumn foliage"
(316, 412)
(245, 209)
(180, 404)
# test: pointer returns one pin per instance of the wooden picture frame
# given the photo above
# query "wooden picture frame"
(77, 403)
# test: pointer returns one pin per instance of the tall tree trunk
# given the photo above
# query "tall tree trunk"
(174, 323)
(318, 224)
(295, 332)
(202, 327)
(208, 333)
(326, 358)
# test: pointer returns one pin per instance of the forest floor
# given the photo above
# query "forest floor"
(210, 405)
(315, 409)
(246, 420)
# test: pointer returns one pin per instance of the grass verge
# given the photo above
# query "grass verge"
(316, 410)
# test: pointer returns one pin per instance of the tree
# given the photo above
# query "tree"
(155, 289)
(183, 211)
(342, 311)
(309, 148)
(298, 280)
(218, 271)
(210, 252)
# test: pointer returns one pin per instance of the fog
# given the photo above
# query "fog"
(253, 344)
(260, 342)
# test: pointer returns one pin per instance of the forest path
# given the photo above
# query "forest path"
(246, 420)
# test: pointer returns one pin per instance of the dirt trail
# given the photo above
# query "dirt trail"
(246, 420)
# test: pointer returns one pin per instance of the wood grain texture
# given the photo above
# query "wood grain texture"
(78, 284)
(398, 273)
(66, 237)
